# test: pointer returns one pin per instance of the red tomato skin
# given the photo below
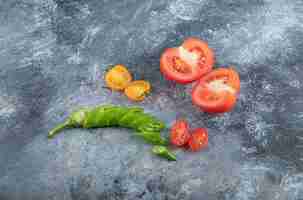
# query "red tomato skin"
(189, 43)
(198, 139)
(179, 133)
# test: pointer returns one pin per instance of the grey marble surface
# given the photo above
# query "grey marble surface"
(53, 54)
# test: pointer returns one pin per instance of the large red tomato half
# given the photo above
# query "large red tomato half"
(188, 62)
(217, 91)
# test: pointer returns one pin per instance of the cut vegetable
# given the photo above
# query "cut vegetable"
(198, 139)
(188, 62)
(131, 115)
(118, 78)
(163, 152)
(217, 91)
(152, 137)
(179, 133)
(137, 90)
(96, 117)
(109, 115)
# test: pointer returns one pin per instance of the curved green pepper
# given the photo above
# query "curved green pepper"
(110, 115)
(147, 126)
(152, 137)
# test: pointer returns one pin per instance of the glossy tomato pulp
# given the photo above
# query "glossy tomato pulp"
(217, 91)
(179, 133)
(118, 77)
(137, 90)
(198, 139)
(188, 62)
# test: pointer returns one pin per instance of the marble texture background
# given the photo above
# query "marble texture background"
(53, 54)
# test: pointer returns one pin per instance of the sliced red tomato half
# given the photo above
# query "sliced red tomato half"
(198, 139)
(217, 91)
(188, 62)
(179, 133)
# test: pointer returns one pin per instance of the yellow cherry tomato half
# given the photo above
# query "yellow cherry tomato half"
(137, 90)
(118, 77)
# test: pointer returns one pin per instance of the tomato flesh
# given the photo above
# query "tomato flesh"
(198, 139)
(180, 66)
(217, 91)
(118, 77)
(137, 90)
(179, 133)
(188, 62)
(227, 76)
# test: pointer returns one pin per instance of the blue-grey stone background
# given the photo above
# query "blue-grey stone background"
(53, 54)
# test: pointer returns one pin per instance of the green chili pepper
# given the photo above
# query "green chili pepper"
(114, 114)
(151, 127)
(97, 117)
(147, 126)
(75, 120)
(163, 152)
(110, 115)
(146, 119)
(131, 115)
(152, 137)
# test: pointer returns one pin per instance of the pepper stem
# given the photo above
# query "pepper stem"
(58, 128)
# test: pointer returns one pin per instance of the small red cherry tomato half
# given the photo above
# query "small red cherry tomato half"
(188, 62)
(179, 133)
(217, 91)
(198, 139)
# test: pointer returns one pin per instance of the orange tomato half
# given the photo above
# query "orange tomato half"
(118, 78)
(137, 90)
